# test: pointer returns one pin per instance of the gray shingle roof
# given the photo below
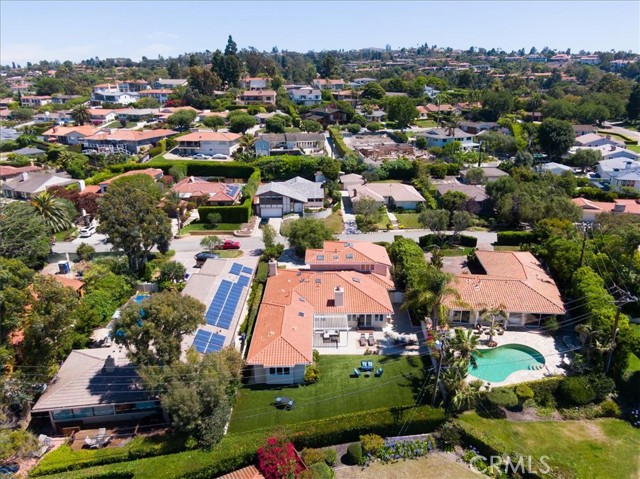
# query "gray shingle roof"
(297, 188)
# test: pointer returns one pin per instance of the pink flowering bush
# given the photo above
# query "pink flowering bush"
(277, 459)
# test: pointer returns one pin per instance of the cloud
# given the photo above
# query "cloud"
(34, 52)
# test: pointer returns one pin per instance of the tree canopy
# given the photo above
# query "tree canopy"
(23, 234)
(307, 233)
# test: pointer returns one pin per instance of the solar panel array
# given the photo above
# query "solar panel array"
(206, 342)
(247, 270)
(236, 269)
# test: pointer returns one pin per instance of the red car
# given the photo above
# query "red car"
(228, 244)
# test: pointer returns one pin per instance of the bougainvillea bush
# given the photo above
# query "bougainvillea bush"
(277, 459)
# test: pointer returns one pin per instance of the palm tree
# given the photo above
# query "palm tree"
(590, 334)
(80, 115)
(491, 314)
(431, 291)
(465, 397)
(465, 346)
(53, 212)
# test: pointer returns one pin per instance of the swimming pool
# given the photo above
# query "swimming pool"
(141, 297)
(495, 365)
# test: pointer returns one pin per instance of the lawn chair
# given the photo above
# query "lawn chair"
(366, 365)
(102, 432)
(356, 373)
(277, 401)
(363, 340)
(289, 405)
(378, 372)
(91, 442)
(45, 445)
(371, 340)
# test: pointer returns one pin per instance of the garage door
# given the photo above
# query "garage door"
(271, 212)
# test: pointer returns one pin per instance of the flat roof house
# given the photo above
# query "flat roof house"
(171, 83)
(289, 143)
(511, 280)
(95, 386)
(306, 96)
(276, 199)
(255, 83)
(160, 94)
(396, 195)
(208, 143)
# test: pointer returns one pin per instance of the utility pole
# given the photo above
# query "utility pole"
(625, 299)
(440, 346)
(585, 226)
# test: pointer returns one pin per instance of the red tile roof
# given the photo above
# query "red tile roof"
(208, 136)
(130, 135)
(85, 130)
(361, 252)
(76, 284)
(7, 171)
(249, 472)
(214, 191)
(630, 206)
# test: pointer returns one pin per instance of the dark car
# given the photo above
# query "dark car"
(204, 256)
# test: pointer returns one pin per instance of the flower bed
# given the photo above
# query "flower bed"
(396, 449)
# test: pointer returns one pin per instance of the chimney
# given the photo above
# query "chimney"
(339, 296)
(25, 176)
(273, 267)
(627, 165)
(109, 365)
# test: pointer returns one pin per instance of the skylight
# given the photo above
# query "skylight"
(320, 257)
(349, 256)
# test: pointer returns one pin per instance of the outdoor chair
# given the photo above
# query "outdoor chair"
(371, 341)
(91, 442)
(378, 372)
(363, 340)
(277, 401)
(356, 373)
(290, 404)
(366, 365)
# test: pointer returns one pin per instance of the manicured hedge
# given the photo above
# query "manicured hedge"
(338, 141)
(461, 240)
(408, 262)
(238, 450)
(516, 238)
(230, 214)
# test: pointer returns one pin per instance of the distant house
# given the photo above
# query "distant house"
(34, 101)
(581, 130)
(615, 167)
(171, 83)
(289, 143)
(361, 256)
(62, 99)
(255, 83)
(114, 96)
(8, 172)
(29, 151)
(212, 193)
(137, 114)
(326, 116)
(510, 280)
(589, 59)
(208, 143)
(625, 179)
(100, 189)
(101, 116)
(68, 135)
(490, 173)
(328, 84)
(430, 91)
(29, 184)
(594, 140)
(57, 117)
(423, 113)
(396, 195)
(258, 97)
(159, 94)
(555, 168)
(363, 81)
(74, 284)
(439, 137)
(276, 199)
(608, 152)
(480, 201)
(475, 127)
(590, 209)
(306, 96)
(94, 387)
(124, 141)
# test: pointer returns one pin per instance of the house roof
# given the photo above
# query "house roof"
(258, 93)
(618, 163)
(101, 111)
(29, 151)
(379, 191)
(158, 91)
(513, 280)
(297, 188)
(84, 130)
(593, 137)
(209, 136)
(489, 172)
(76, 284)
(444, 133)
(476, 192)
(130, 135)
(83, 381)
(38, 181)
(249, 472)
(9, 171)
(294, 137)
(351, 178)
(283, 332)
(345, 252)
(193, 186)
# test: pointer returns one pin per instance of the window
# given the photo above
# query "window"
(320, 257)
(280, 371)
(349, 256)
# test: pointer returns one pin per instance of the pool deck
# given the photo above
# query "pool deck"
(546, 345)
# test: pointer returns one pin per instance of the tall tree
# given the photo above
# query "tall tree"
(153, 330)
(307, 233)
(15, 276)
(23, 234)
(130, 217)
(633, 105)
(555, 137)
(401, 110)
(429, 293)
(435, 220)
(53, 212)
(80, 115)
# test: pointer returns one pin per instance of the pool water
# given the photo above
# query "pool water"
(495, 365)
(140, 298)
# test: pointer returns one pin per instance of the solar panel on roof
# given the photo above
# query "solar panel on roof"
(247, 270)
(236, 268)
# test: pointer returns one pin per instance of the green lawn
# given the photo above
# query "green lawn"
(66, 234)
(409, 220)
(336, 393)
(425, 123)
(457, 251)
(117, 124)
(230, 253)
(197, 226)
(505, 248)
(575, 449)
(635, 148)
(334, 223)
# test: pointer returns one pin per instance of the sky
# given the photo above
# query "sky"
(77, 30)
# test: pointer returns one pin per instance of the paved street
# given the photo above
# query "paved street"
(613, 128)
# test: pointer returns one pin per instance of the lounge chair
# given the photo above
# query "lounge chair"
(378, 372)
(277, 401)
(91, 442)
(45, 445)
(371, 341)
(356, 373)
(363, 340)
(290, 404)
(366, 365)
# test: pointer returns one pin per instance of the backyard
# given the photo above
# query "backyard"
(579, 449)
(335, 393)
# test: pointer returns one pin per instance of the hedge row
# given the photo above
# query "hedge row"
(408, 262)
(230, 214)
(516, 238)
(461, 240)
(338, 141)
(238, 450)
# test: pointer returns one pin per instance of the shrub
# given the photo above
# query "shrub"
(524, 393)
(502, 397)
(338, 141)
(374, 126)
(602, 385)
(312, 374)
(229, 214)
(85, 252)
(321, 471)
(353, 128)
(277, 459)
(576, 391)
(312, 456)
(609, 408)
(450, 436)
(461, 240)
(354, 453)
(330, 456)
(371, 443)
(516, 238)
(551, 325)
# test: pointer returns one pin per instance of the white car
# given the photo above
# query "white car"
(87, 231)
(200, 156)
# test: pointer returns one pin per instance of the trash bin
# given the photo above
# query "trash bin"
(64, 267)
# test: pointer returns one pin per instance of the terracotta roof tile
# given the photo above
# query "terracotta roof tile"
(209, 136)
(356, 252)
(249, 472)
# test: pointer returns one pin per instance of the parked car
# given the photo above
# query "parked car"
(201, 156)
(228, 244)
(87, 231)
(204, 256)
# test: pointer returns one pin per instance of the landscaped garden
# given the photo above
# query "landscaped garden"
(576, 449)
(335, 393)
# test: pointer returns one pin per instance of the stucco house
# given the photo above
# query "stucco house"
(289, 143)
(360, 256)
(443, 136)
(306, 96)
(278, 198)
(590, 209)
(208, 143)
(395, 195)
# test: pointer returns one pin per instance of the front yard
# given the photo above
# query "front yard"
(409, 221)
(575, 449)
(198, 226)
(334, 394)
(334, 223)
